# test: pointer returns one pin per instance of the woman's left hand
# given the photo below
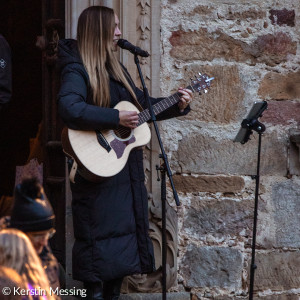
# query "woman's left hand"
(185, 99)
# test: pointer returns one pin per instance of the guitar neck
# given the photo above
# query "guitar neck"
(161, 106)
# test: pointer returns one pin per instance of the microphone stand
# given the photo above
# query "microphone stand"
(256, 177)
(254, 124)
(249, 125)
(165, 169)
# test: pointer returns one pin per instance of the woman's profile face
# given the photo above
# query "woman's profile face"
(117, 33)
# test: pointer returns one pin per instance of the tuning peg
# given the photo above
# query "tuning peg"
(200, 74)
(209, 79)
(205, 91)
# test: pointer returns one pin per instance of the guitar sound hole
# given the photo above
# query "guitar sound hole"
(123, 132)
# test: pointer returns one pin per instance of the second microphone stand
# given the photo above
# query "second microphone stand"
(249, 125)
(165, 169)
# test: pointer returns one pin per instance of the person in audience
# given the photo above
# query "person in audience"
(17, 252)
(10, 280)
(32, 213)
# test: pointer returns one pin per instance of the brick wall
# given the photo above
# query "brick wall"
(252, 50)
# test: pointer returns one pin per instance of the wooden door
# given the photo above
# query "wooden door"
(53, 18)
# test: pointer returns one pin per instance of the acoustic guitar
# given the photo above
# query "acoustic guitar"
(104, 153)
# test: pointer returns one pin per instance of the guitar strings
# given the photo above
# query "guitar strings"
(158, 107)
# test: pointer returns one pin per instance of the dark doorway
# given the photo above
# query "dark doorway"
(20, 24)
(32, 109)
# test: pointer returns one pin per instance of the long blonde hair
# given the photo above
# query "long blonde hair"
(17, 252)
(95, 32)
(9, 278)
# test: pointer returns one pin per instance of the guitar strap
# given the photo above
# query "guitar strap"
(73, 171)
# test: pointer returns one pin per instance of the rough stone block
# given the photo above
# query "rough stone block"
(273, 49)
(206, 183)
(201, 45)
(282, 113)
(231, 297)
(255, 297)
(282, 17)
(206, 46)
(277, 86)
(219, 218)
(286, 211)
(157, 296)
(277, 271)
(201, 10)
(223, 103)
(198, 153)
(278, 220)
(250, 14)
(212, 267)
(279, 297)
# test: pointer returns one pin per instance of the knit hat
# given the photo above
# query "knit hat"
(31, 210)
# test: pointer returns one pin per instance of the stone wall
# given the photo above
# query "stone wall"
(252, 50)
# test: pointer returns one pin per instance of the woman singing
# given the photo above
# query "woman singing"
(110, 217)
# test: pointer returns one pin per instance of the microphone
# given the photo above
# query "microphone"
(124, 44)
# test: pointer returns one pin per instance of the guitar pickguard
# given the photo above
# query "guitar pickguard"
(119, 146)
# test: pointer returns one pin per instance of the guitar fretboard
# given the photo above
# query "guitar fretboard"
(161, 106)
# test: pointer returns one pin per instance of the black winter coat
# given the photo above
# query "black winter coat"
(5, 71)
(110, 218)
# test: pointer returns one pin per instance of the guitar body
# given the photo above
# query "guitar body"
(109, 159)
(101, 154)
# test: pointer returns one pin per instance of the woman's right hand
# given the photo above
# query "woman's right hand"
(128, 118)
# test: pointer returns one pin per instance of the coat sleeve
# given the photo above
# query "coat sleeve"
(5, 71)
(171, 112)
(72, 106)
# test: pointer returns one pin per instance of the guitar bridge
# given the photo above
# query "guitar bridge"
(102, 141)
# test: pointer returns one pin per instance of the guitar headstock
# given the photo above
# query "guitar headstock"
(201, 83)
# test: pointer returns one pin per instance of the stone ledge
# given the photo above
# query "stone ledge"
(209, 183)
(156, 296)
